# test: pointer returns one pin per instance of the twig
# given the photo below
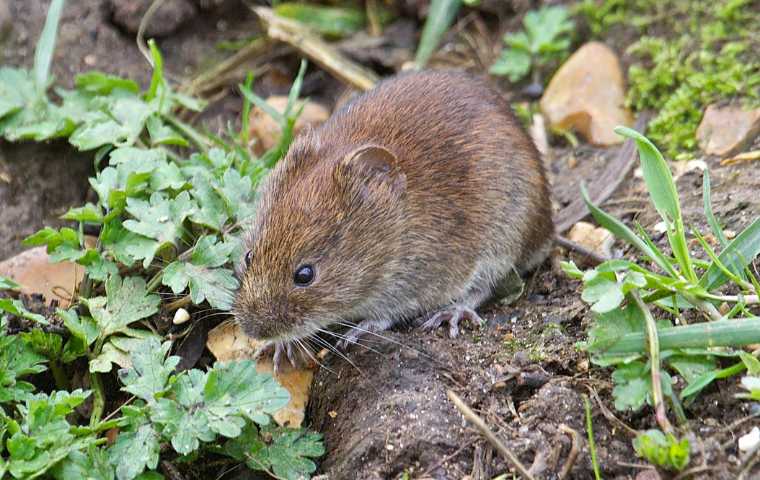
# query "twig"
(574, 450)
(591, 443)
(313, 47)
(606, 183)
(654, 359)
(171, 471)
(580, 249)
(144, 21)
(446, 459)
(486, 432)
(214, 77)
(179, 303)
(609, 415)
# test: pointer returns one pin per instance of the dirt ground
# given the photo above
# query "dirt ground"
(386, 413)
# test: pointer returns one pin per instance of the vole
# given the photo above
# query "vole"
(414, 199)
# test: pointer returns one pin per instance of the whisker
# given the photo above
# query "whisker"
(364, 330)
(308, 352)
(351, 341)
(338, 352)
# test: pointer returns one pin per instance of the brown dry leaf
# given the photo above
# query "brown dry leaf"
(36, 275)
(228, 342)
(742, 157)
(266, 130)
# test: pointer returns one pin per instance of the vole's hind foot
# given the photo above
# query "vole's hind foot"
(280, 352)
(453, 315)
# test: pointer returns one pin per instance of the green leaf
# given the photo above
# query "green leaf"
(17, 308)
(103, 84)
(8, 284)
(662, 450)
(161, 218)
(441, 14)
(662, 191)
(135, 451)
(206, 280)
(162, 134)
(237, 388)
(514, 64)
(17, 359)
(119, 121)
(739, 253)
(707, 201)
(150, 371)
(43, 54)
(632, 386)
(126, 301)
(89, 214)
(212, 211)
(90, 465)
(333, 22)
(287, 452)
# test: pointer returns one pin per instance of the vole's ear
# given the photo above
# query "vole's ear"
(371, 172)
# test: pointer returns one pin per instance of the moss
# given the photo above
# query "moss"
(690, 53)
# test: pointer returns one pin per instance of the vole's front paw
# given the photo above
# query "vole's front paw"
(453, 315)
(280, 352)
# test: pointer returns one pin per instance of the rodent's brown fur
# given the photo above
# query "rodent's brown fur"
(453, 197)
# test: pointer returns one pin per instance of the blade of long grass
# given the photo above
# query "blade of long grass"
(440, 17)
(295, 89)
(662, 191)
(620, 230)
(711, 220)
(739, 253)
(725, 333)
(43, 54)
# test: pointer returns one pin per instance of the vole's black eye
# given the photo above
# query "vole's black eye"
(248, 258)
(304, 275)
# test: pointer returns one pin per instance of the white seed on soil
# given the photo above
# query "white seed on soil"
(749, 441)
(180, 316)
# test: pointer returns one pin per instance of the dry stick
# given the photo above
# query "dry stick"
(654, 359)
(574, 450)
(313, 47)
(606, 183)
(490, 436)
(144, 21)
(213, 78)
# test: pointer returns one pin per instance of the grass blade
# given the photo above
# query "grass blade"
(662, 191)
(43, 54)
(621, 231)
(739, 253)
(724, 333)
(711, 220)
(440, 17)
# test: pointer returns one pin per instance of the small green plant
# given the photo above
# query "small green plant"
(544, 42)
(169, 209)
(646, 352)
(662, 450)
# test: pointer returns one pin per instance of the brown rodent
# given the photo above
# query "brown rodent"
(413, 199)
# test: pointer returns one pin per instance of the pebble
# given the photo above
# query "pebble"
(726, 130)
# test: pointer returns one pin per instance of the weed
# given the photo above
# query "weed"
(645, 352)
(542, 44)
(165, 219)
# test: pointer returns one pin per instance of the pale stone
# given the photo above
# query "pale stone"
(267, 131)
(587, 94)
(596, 239)
(725, 130)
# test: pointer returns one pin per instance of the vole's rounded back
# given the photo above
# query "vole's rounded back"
(420, 194)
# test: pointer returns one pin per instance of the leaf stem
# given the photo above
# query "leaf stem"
(98, 398)
(654, 360)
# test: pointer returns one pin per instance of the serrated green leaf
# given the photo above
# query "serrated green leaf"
(135, 451)
(17, 308)
(91, 464)
(126, 301)
(150, 371)
(161, 218)
(514, 64)
(212, 212)
(17, 359)
(662, 450)
(162, 134)
(88, 213)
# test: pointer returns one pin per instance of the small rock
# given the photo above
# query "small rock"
(750, 440)
(587, 94)
(596, 239)
(167, 19)
(726, 130)
(267, 130)
(6, 17)
(180, 316)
